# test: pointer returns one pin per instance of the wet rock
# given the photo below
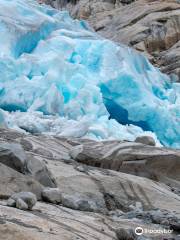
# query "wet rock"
(14, 156)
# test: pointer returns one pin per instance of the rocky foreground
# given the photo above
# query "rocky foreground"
(151, 27)
(87, 189)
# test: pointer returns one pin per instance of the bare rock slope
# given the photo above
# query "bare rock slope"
(87, 189)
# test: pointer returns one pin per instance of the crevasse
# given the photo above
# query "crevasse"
(59, 77)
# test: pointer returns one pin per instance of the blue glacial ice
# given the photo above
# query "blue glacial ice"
(59, 77)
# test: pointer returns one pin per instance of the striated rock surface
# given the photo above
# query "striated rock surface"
(56, 222)
(97, 193)
(158, 164)
(151, 27)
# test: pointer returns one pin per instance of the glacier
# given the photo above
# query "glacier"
(57, 76)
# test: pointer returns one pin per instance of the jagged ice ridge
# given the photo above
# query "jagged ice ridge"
(57, 76)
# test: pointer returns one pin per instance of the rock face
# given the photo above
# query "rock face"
(151, 27)
(13, 155)
(12, 181)
(103, 190)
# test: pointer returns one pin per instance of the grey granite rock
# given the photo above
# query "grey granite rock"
(24, 200)
(13, 155)
(20, 204)
(147, 140)
(123, 234)
(159, 164)
(12, 181)
(52, 195)
(11, 202)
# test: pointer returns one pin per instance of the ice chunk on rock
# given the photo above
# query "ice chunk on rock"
(59, 77)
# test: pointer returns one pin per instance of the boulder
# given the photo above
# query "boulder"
(11, 202)
(53, 222)
(83, 202)
(37, 169)
(93, 198)
(147, 140)
(12, 181)
(123, 234)
(24, 200)
(52, 195)
(13, 155)
(20, 204)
